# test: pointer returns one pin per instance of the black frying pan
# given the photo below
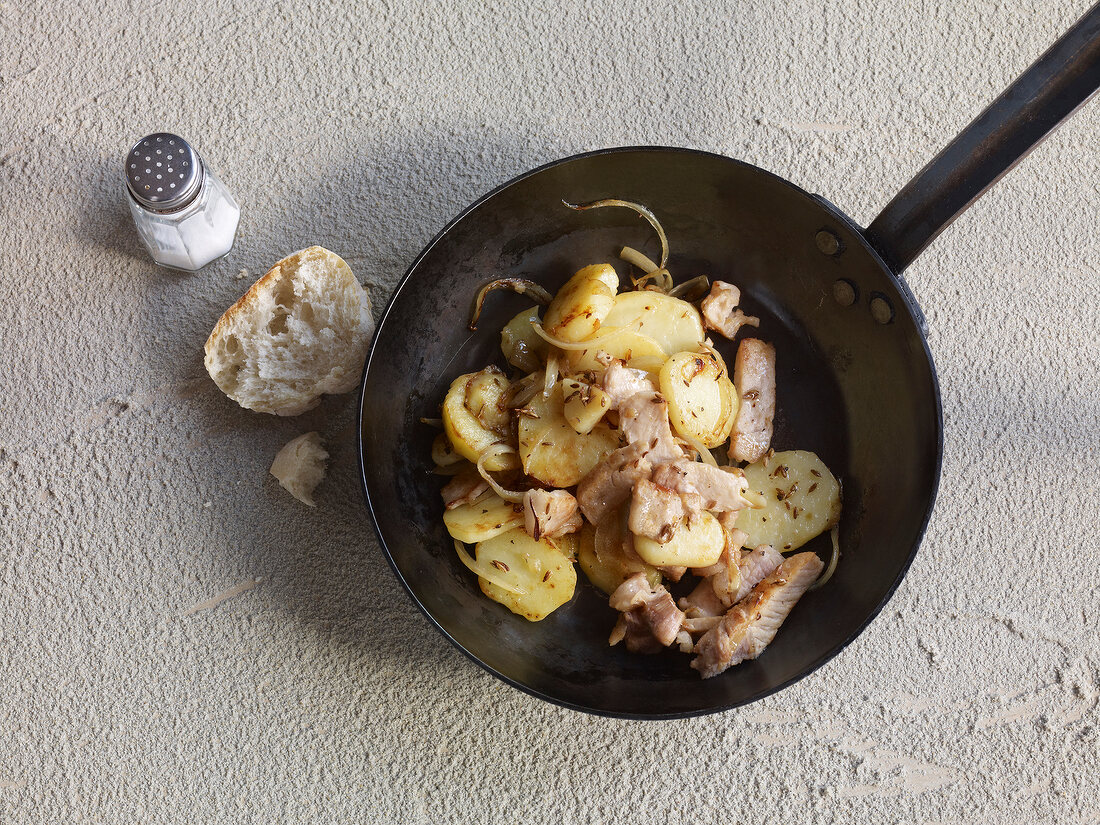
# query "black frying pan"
(856, 381)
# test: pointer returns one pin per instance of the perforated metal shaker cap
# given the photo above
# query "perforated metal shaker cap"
(163, 172)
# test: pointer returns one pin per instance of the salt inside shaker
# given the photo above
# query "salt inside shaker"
(184, 214)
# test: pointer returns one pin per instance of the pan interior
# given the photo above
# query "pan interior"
(859, 392)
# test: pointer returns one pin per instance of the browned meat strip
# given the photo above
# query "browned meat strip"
(649, 619)
(754, 567)
(550, 513)
(620, 382)
(609, 483)
(754, 378)
(703, 601)
(655, 511)
(719, 488)
(720, 310)
(751, 624)
(721, 581)
(643, 419)
(466, 486)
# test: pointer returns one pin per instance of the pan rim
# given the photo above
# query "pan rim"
(908, 307)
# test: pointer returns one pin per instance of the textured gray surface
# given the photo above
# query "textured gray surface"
(133, 495)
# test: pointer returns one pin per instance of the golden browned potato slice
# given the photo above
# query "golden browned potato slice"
(550, 450)
(483, 399)
(802, 500)
(625, 345)
(488, 516)
(467, 434)
(702, 402)
(540, 576)
(697, 543)
(608, 571)
(580, 306)
(521, 345)
(674, 324)
(585, 405)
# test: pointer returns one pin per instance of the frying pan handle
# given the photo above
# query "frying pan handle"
(1051, 90)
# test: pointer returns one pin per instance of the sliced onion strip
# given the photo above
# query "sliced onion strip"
(522, 391)
(637, 207)
(574, 346)
(690, 290)
(520, 285)
(704, 453)
(514, 496)
(660, 278)
(551, 376)
(756, 500)
(640, 260)
(490, 574)
(834, 534)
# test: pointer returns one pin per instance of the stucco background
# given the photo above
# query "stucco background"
(180, 641)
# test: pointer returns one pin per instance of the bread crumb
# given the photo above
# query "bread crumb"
(242, 274)
(300, 466)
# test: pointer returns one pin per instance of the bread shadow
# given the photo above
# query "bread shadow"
(377, 207)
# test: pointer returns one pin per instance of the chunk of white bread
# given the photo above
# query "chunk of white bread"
(300, 332)
(300, 466)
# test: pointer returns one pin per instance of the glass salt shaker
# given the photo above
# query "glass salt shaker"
(184, 214)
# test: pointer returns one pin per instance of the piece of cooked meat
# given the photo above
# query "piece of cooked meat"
(703, 601)
(643, 419)
(466, 486)
(751, 624)
(754, 378)
(609, 483)
(550, 513)
(620, 382)
(655, 512)
(754, 567)
(672, 572)
(735, 540)
(721, 313)
(720, 488)
(649, 619)
(724, 582)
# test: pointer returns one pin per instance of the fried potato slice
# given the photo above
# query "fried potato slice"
(487, 516)
(801, 501)
(702, 402)
(469, 437)
(696, 543)
(585, 405)
(540, 576)
(623, 344)
(580, 306)
(608, 570)
(674, 324)
(550, 450)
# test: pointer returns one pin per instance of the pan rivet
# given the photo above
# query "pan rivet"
(881, 308)
(845, 292)
(828, 242)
